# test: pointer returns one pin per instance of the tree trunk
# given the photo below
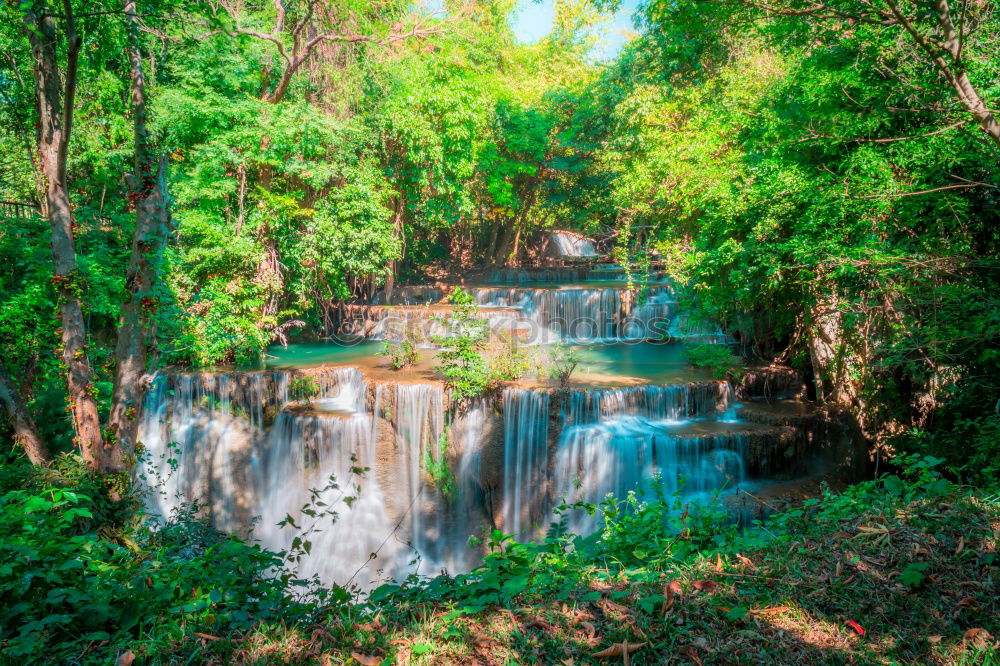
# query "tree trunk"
(825, 341)
(25, 433)
(53, 137)
(151, 228)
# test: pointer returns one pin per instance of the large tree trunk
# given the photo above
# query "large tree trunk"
(25, 433)
(53, 137)
(151, 228)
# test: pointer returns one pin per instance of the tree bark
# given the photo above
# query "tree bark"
(151, 228)
(53, 138)
(25, 433)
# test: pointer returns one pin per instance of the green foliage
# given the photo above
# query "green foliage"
(461, 360)
(401, 354)
(438, 469)
(304, 388)
(70, 578)
(720, 359)
(507, 360)
(562, 362)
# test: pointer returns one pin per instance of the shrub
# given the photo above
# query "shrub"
(460, 360)
(401, 354)
(720, 359)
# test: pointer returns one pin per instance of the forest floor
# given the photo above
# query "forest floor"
(902, 583)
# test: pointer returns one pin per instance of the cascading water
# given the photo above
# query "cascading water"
(627, 454)
(406, 475)
(331, 456)
(584, 315)
(655, 402)
(526, 434)
(573, 245)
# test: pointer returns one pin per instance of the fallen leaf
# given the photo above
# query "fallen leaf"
(619, 650)
(934, 639)
(718, 562)
(961, 546)
(668, 599)
(675, 587)
(607, 605)
(207, 637)
(125, 658)
(977, 637)
(591, 630)
(704, 585)
(538, 624)
(858, 629)
(691, 652)
(967, 602)
(366, 660)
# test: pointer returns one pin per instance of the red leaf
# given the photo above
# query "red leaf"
(858, 629)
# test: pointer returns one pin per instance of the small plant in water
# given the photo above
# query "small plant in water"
(460, 359)
(438, 469)
(401, 354)
(304, 389)
(562, 362)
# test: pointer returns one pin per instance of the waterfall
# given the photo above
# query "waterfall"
(583, 315)
(625, 454)
(331, 456)
(419, 423)
(526, 434)
(208, 438)
(665, 403)
(573, 245)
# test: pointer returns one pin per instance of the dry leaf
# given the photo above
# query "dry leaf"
(977, 637)
(538, 624)
(619, 650)
(207, 637)
(961, 546)
(691, 652)
(366, 660)
(718, 562)
(934, 639)
(668, 599)
(125, 658)
(704, 585)
(591, 630)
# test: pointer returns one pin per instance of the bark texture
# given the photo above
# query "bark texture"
(151, 227)
(25, 433)
(55, 114)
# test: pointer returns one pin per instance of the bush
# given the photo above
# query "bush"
(720, 359)
(71, 581)
(401, 354)
(460, 360)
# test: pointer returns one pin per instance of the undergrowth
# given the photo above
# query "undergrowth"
(899, 570)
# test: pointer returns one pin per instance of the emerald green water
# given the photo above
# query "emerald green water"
(647, 362)
(306, 354)
(655, 363)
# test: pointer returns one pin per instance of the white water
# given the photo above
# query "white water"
(573, 245)
(251, 456)
(627, 453)
(526, 434)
